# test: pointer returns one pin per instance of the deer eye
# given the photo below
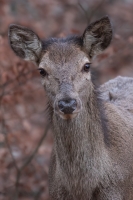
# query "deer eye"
(86, 67)
(42, 72)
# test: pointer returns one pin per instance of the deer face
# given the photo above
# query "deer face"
(65, 70)
(64, 64)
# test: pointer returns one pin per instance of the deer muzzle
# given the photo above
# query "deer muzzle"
(67, 108)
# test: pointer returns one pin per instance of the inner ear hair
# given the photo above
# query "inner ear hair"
(97, 36)
(24, 42)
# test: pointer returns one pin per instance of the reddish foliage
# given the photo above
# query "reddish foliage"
(22, 98)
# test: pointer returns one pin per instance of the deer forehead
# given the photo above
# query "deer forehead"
(63, 57)
(68, 71)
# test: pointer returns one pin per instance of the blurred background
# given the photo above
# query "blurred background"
(24, 147)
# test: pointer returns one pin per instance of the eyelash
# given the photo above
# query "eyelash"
(43, 72)
(86, 67)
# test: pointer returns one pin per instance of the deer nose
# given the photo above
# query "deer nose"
(67, 106)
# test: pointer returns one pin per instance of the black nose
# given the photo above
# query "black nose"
(67, 106)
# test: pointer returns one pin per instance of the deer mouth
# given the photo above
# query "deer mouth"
(68, 116)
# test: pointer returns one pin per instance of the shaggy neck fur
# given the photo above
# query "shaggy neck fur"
(79, 146)
(88, 127)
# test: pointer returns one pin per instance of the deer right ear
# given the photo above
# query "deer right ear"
(97, 36)
(25, 43)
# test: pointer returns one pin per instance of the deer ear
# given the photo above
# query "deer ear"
(24, 42)
(97, 36)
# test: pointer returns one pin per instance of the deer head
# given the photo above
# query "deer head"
(64, 64)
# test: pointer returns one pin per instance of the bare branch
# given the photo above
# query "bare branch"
(10, 151)
(92, 12)
(35, 150)
(29, 159)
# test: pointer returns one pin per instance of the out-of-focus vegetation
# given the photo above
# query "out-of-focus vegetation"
(24, 154)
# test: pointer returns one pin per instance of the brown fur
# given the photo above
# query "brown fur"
(92, 156)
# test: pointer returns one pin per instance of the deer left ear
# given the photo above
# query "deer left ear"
(97, 36)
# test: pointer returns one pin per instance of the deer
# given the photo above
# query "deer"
(92, 156)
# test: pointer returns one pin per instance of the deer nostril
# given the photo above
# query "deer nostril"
(67, 106)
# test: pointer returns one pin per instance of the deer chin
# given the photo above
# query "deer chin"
(67, 116)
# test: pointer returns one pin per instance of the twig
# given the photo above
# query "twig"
(35, 150)
(92, 11)
(19, 170)
(10, 151)
(29, 159)
(16, 78)
(85, 12)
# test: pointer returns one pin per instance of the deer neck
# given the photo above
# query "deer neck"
(83, 136)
